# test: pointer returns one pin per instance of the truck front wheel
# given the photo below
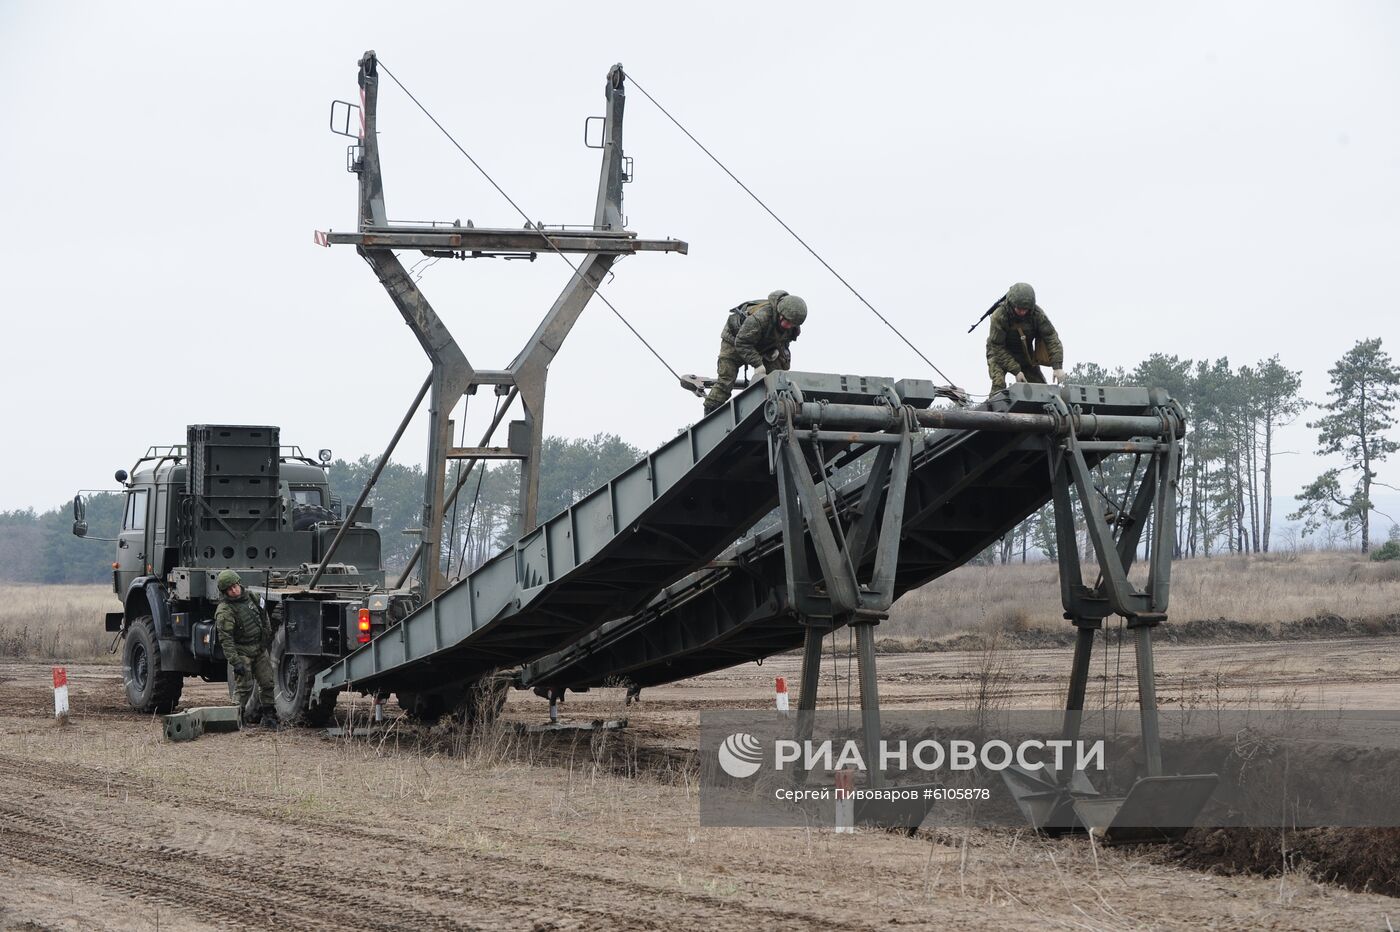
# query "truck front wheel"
(148, 687)
(297, 703)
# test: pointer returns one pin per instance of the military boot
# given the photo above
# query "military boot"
(270, 719)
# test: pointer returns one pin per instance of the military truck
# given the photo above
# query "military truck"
(232, 497)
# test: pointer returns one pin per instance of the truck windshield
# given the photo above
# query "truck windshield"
(307, 495)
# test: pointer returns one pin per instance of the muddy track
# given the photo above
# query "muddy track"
(317, 897)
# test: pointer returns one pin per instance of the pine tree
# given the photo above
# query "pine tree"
(1365, 388)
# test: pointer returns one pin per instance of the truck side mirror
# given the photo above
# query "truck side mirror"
(337, 506)
(80, 527)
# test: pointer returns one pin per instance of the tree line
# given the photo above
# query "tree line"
(39, 547)
(1233, 416)
(1227, 483)
(486, 514)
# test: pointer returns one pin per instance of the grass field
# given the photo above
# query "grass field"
(65, 622)
(106, 825)
(603, 830)
(55, 622)
(1271, 590)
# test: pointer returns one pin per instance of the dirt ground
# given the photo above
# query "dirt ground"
(105, 825)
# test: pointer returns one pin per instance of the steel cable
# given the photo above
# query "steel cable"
(839, 277)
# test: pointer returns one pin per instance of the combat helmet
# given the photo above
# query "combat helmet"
(792, 309)
(227, 580)
(1020, 295)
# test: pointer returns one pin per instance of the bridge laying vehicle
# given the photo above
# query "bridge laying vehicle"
(657, 574)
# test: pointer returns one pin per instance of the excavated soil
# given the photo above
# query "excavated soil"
(1358, 858)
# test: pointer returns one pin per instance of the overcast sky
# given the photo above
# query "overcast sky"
(1199, 179)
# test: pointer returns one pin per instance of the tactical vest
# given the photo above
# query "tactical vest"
(740, 312)
(1023, 341)
(246, 617)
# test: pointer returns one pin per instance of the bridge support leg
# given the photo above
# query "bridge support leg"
(1157, 807)
(855, 543)
(1147, 701)
(1078, 680)
(810, 678)
(869, 699)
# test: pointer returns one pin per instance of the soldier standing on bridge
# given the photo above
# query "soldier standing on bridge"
(759, 334)
(245, 635)
(1021, 340)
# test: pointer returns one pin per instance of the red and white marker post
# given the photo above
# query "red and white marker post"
(845, 802)
(60, 692)
(780, 695)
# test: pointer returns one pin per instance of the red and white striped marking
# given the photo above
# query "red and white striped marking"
(845, 802)
(322, 239)
(780, 695)
(60, 692)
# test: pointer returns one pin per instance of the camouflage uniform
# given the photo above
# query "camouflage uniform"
(751, 337)
(245, 633)
(1021, 344)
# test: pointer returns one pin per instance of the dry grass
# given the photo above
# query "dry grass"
(1271, 589)
(55, 622)
(65, 622)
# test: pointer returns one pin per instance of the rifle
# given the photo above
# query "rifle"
(988, 312)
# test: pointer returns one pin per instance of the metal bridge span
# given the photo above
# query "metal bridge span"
(966, 489)
(642, 582)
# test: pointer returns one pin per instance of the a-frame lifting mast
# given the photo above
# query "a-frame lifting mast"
(453, 376)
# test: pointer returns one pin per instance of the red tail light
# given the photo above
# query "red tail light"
(364, 626)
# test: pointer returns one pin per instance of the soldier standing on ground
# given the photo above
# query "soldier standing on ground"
(245, 633)
(759, 334)
(1021, 340)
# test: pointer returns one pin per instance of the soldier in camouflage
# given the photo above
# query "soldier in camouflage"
(759, 334)
(1021, 340)
(245, 633)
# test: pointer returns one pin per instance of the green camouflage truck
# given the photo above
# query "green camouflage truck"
(232, 497)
